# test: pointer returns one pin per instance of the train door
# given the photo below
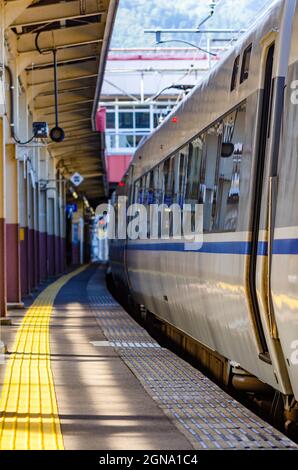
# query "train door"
(258, 192)
(259, 264)
(284, 227)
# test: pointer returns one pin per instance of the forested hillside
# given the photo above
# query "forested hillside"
(136, 15)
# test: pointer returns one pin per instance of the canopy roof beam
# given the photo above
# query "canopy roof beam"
(60, 11)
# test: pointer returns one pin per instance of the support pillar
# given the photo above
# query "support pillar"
(24, 231)
(30, 207)
(57, 228)
(51, 235)
(3, 295)
(63, 223)
(77, 235)
(43, 236)
(52, 218)
(13, 268)
(43, 251)
(36, 224)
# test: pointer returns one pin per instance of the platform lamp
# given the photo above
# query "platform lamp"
(56, 133)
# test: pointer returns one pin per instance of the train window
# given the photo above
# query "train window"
(130, 185)
(157, 172)
(139, 191)
(136, 191)
(208, 184)
(168, 185)
(149, 197)
(193, 177)
(228, 179)
(193, 171)
(142, 191)
(146, 187)
(168, 171)
(181, 176)
(159, 185)
(149, 194)
(245, 64)
(235, 73)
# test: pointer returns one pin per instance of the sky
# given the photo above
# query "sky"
(136, 15)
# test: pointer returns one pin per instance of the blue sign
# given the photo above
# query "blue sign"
(168, 200)
(75, 234)
(72, 207)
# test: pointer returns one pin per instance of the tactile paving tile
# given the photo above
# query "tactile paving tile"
(208, 416)
(29, 417)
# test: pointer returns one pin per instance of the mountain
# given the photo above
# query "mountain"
(136, 15)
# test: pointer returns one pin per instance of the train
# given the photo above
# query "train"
(231, 147)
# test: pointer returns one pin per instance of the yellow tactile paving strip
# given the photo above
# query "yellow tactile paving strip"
(28, 407)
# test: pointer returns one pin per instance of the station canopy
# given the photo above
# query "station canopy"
(80, 31)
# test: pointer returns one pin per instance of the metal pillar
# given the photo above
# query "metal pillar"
(13, 268)
(2, 180)
(43, 236)
(51, 218)
(3, 295)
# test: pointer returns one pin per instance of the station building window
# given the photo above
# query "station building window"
(126, 120)
(127, 125)
(110, 120)
(126, 141)
(142, 119)
(138, 138)
(110, 141)
(160, 113)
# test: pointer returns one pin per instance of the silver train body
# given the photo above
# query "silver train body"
(238, 294)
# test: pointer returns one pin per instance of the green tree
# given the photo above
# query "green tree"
(134, 17)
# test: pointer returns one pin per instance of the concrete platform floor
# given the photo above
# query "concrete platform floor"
(101, 403)
(117, 389)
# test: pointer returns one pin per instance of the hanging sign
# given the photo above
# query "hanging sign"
(76, 179)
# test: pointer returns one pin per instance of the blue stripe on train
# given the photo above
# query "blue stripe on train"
(280, 247)
(241, 248)
(286, 246)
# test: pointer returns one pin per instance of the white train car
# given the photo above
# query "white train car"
(237, 296)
